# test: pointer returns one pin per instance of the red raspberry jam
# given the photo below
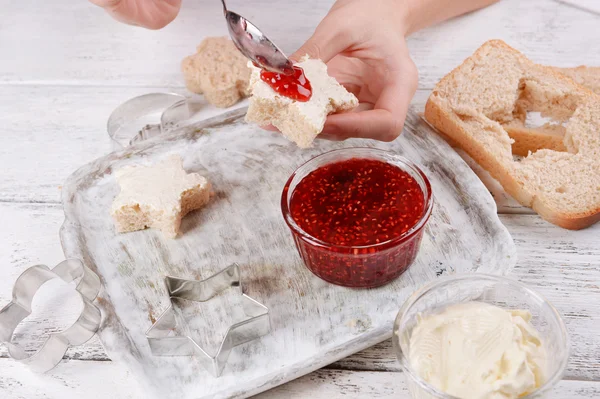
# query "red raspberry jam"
(296, 86)
(361, 212)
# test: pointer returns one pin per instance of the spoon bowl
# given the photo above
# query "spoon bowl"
(255, 45)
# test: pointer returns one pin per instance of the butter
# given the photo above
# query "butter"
(476, 350)
(157, 196)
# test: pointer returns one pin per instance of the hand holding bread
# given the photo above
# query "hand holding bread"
(372, 63)
(363, 44)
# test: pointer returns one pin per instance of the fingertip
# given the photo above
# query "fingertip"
(270, 128)
(376, 124)
(154, 15)
(333, 131)
(329, 137)
(326, 42)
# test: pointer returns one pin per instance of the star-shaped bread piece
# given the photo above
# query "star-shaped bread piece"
(157, 196)
(218, 70)
(299, 121)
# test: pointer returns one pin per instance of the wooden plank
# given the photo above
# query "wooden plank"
(70, 380)
(100, 380)
(327, 384)
(587, 5)
(547, 32)
(103, 52)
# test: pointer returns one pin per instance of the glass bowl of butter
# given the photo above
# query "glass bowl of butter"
(480, 336)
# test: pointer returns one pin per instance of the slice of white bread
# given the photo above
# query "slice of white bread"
(299, 121)
(218, 70)
(157, 196)
(488, 91)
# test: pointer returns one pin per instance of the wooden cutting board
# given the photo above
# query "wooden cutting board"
(313, 323)
(592, 6)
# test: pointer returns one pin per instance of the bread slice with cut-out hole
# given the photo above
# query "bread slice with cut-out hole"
(549, 135)
(475, 105)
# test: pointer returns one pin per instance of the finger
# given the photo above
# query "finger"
(153, 14)
(386, 120)
(376, 124)
(327, 41)
(269, 128)
(328, 137)
(105, 3)
(349, 72)
(333, 136)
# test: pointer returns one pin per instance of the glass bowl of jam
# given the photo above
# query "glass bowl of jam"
(357, 215)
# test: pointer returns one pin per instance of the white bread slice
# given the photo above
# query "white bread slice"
(299, 121)
(474, 102)
(157, 196)
(217, 70)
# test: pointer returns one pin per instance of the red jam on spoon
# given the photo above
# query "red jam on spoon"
(296, 86)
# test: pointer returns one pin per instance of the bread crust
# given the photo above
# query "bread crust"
(444, 119)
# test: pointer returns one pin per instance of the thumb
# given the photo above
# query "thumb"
(327, 41)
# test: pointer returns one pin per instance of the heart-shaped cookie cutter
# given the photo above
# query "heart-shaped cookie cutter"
(25, 288)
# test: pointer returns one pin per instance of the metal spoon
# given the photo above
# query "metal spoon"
(255, 45)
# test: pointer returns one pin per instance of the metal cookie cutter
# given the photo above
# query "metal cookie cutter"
(149, 115)
(27, 284)
(163, 343)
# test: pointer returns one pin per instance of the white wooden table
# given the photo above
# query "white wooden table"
(64, 65)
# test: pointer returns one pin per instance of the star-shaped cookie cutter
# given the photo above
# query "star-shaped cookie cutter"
(160, 336)
(84, 328)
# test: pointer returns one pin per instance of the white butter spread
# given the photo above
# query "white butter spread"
(157, 196)
(478, 351)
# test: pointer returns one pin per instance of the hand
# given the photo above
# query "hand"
(151, 14)
(364, 47)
